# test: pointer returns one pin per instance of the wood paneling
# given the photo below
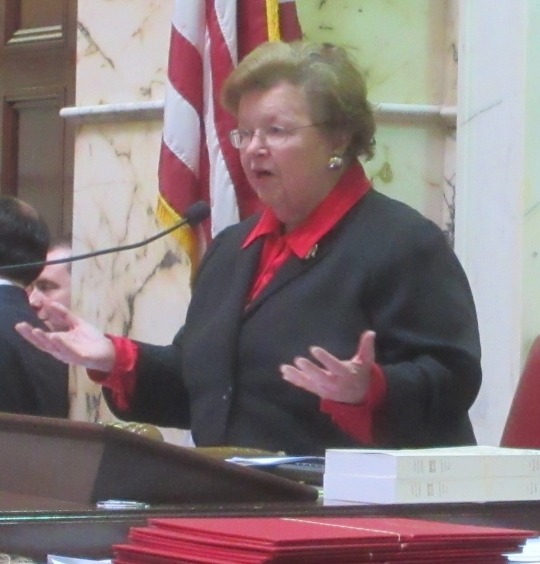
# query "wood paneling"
(37, 79)
(40, 13)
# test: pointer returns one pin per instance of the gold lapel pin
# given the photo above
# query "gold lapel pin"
(312, 252)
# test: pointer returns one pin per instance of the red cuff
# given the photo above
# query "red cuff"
(356, 419)
(122, 378)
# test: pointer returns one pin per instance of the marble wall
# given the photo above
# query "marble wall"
(121, 58)
(497, 229)
(408, 53)
(530, 312)
(407, 49)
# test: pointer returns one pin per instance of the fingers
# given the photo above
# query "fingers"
(339, 383)
(63, 314)
(366, 348)
(365, 355)
(27, 331)
(292, 375)
(307, 376)
(303, 372)
(339, 380)
(37, 337)
(82, 344)
(330, 362)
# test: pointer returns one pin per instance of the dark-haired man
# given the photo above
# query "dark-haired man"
(31, 381)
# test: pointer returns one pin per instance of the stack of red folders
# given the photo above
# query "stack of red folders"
(315, 540)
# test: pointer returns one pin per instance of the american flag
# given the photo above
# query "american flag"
(197, 162)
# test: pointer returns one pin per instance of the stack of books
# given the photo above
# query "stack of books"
(438, 475)
(315, 540)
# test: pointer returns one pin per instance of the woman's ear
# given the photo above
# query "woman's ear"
(341, 141)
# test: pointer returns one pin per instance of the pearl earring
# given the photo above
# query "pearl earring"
(335, 162)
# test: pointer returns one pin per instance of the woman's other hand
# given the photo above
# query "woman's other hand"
(345, 381)
(81, 343)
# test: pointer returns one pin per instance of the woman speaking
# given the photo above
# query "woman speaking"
(337, 317)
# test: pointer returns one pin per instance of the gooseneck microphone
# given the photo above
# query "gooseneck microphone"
(195, 214)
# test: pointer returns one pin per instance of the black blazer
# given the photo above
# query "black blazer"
(383, 267)
(31, 381)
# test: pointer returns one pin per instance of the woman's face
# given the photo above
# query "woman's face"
(291, 176)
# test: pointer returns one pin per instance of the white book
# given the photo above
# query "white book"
(388, 490)
(451, 462)
(513, 488)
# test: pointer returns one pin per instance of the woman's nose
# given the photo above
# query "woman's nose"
(257, 143)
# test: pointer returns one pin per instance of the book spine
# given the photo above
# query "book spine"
(522, 488)
(526, 465)
(363, 489)
(405, 466)
(434, 466)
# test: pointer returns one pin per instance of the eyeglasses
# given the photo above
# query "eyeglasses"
(272, 136)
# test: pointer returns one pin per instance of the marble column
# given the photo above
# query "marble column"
(498, 194)
(121, 63)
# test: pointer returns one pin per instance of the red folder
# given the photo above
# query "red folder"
(298, 531)
(132, 554)
(315, 540)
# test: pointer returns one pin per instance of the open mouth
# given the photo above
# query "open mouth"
(262, 173)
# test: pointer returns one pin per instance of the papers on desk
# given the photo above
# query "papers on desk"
(274, 460)
(121, 504)
(56, 559)
(304, 469)
(529, 554)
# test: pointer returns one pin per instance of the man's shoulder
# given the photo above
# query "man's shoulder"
(14, 304)
(12, 300)
(15, 349)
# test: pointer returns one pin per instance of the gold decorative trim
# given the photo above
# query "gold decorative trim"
(272, 20)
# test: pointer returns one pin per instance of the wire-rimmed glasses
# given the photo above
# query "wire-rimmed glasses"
(271, 136)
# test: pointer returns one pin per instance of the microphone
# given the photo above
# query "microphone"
(195, 214)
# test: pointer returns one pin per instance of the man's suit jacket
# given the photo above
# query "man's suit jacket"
(31, 381)
(383, 267)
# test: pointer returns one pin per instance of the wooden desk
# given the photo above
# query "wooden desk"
(54, 470)
(91, 533)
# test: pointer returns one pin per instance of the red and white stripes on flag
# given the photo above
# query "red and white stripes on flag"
(197, 161)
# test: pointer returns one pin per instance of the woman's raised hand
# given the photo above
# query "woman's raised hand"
(81, 343)
(345, 381)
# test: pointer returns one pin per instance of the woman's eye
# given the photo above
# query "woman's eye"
(275, 130)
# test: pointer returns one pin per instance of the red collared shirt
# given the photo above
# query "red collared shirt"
(303, 240)
(355, 419)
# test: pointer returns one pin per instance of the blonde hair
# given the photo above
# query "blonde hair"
(332, 83)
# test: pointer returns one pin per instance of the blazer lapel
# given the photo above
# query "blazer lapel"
(292, 269)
